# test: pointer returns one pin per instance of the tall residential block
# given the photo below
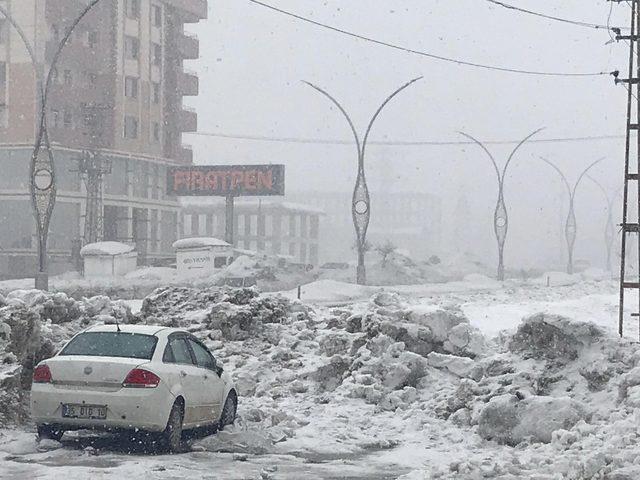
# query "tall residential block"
(117, 95)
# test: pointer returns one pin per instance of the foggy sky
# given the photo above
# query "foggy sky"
(253, 60)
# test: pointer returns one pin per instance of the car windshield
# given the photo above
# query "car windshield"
(112, 344)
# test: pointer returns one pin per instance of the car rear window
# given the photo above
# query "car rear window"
(112, 344)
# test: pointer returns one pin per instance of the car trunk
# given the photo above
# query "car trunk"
(91, 373)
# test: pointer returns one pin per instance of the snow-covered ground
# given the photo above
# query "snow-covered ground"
(372, 383)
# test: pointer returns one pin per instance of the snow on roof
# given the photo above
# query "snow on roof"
(199, 242)
(106, 248)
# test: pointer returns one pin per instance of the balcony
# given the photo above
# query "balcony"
(188, 120)
(188, 47)
(196, 10)
(188, 84)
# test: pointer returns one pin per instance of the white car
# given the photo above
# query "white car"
(132, 377)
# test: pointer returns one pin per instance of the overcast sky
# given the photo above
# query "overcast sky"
(253, 61)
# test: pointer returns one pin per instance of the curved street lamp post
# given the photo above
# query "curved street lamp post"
(500, 215)
(361, 201)
(609, 231)
(42, 184)
(571, 226)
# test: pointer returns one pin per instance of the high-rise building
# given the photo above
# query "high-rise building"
(116, 95)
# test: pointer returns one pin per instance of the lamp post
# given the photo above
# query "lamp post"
(500, 215)
(609, 232)
(42, 184)
(361, 201)
(571, 226)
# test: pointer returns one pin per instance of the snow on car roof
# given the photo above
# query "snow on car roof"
(142, 329)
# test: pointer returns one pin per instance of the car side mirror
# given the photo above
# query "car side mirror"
(218, 369)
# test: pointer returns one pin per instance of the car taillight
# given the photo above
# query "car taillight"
(42, 374)
(141, 378)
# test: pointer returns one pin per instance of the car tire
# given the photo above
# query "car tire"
(50, 432)
(173, 432)
(228, 415)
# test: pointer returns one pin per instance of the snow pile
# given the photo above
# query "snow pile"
(558, 398)
(553, 337)
(511, 420)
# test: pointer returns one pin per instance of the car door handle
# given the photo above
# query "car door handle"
(206, 376)
(183, 373)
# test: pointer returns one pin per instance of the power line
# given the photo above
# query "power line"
(326, 141)
(425, 54)
(551, 17)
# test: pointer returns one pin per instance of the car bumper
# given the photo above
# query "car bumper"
(127, 408)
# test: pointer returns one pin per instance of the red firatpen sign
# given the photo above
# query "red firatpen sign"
(226, 180)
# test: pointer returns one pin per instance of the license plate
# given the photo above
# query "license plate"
(84, 411)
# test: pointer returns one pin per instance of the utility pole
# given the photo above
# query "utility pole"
(630, 223)
(361, 201)
(571, 225)
(93, 168)
(500, 215)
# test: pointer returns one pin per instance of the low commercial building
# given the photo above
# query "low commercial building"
(273, 227)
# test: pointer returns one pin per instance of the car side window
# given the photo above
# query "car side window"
(203, 358)
(177, 351)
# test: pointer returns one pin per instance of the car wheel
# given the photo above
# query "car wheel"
(173, 432)
(50, 432)
(229, 410)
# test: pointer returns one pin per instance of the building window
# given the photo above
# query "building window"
(130, 127)
(132, 47)
(131, 87)
(133, 8)
(3, 30)
(157, 54)
(55, 33)
(4, 116)
(156, 132)
(3, 74)
(68, 79)
(55, 118)
(92, 39)
(156, 15)
(68, 119)
(156, 93)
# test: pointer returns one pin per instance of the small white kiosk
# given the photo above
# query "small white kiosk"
(108, 259)
(202, 255)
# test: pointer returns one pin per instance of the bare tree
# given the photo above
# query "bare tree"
(384, 250)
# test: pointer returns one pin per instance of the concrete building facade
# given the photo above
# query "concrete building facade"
(117, 93)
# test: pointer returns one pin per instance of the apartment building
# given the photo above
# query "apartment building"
(117, 94)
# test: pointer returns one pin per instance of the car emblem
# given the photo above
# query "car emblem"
(88, 370)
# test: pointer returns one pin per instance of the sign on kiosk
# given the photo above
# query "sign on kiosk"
(226, 180)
